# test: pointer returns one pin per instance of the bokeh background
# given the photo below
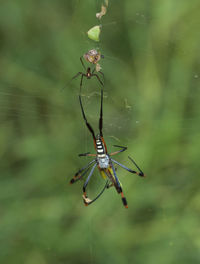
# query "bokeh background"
(151, 105)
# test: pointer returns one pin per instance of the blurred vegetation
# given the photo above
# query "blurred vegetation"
(151, 65)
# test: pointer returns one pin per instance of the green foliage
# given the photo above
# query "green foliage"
(94, 33)
(151, 104)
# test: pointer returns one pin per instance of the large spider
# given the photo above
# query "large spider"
(103, 161)
(89, 74)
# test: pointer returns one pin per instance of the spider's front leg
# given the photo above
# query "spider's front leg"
(79, 73)
(98, 78)
(81, 59)
(118, 151)
(140, 173)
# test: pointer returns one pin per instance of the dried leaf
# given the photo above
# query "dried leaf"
(98, 67)
(102, 13)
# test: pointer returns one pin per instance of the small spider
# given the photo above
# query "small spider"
(89, 73)
(102, 161)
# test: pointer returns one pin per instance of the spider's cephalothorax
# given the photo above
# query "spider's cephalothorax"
(88, 73)
(103, 161)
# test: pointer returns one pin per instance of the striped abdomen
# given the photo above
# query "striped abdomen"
(100, 148)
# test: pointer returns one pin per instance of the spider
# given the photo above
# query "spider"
(89, 73)
(103, 161)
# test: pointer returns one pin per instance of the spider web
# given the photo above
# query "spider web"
(151, 105)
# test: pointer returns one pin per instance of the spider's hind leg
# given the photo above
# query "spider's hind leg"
(118, 187)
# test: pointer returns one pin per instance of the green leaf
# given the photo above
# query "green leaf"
(94, 33)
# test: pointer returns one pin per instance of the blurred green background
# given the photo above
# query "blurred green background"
(151, 105)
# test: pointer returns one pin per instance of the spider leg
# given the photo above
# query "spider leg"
(78, 175)
(101, 115)
(87, 155)
(115, 175)
(76, 75)
(82, 62)
(116, 152)
(130, 170)
(81, 82)
(94, 74)
(83, 154)
(101, 120)
(103, 76)
(119, 188)
(87, 180)
(110, 185)
(71, 80)
(93, 70)
(140, 171)
(86, 122)
(87, 201)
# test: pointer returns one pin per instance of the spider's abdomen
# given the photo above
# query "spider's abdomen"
(100, 148)
(102, 157)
